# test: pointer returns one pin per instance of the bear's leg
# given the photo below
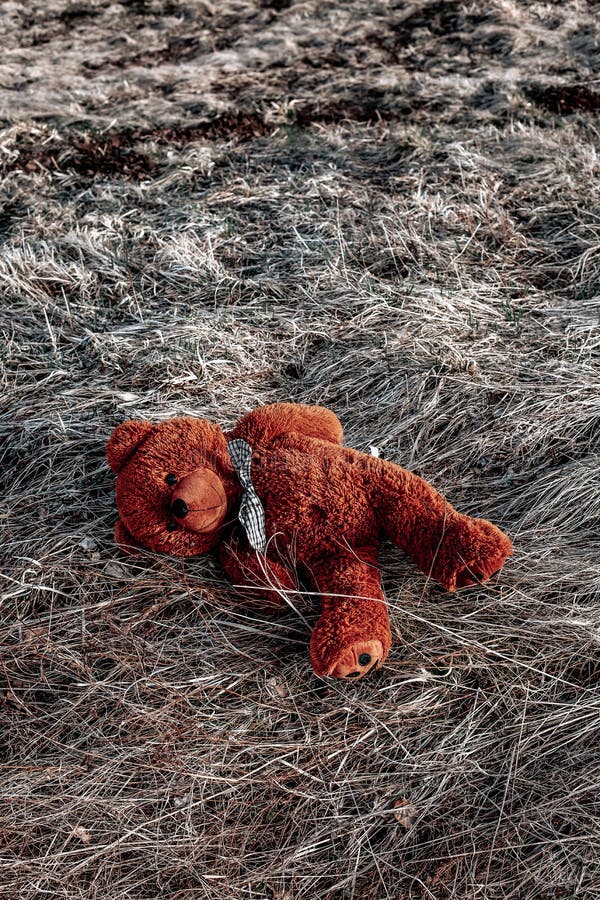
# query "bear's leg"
(262, 580)
(452, 548)
(280, 418)
(353, 634)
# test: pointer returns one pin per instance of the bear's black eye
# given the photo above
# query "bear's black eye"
(171, 479)
(171, 526)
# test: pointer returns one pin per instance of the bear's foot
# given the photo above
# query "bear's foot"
(343, 652)
(471, 552)
(466, 576)
(357, 659)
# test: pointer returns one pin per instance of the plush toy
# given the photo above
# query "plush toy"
(280, 496)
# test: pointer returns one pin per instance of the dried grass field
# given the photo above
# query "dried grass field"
(389, 208)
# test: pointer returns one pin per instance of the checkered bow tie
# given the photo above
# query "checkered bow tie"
(251, 514)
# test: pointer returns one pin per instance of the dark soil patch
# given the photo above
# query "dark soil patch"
(78, 11)
(566, 100)
(115, 155)
(277, 5)
(241, 126)
(86, 156)
(147, 8)
(367, 108)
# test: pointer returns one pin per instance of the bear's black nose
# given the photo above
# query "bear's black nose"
(180, 508)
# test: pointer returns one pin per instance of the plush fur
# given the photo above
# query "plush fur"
(327, 507)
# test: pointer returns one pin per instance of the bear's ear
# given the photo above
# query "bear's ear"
(125, 540)
(125, 440)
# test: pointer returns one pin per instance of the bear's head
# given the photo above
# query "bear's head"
(175, 485)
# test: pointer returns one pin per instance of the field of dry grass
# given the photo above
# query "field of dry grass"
(388, 208)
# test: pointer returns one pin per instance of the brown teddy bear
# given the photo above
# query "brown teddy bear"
(279, 496)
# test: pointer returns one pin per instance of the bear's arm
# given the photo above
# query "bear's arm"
(452, 548)
(266, 422)
(261, 580)
(125, 540)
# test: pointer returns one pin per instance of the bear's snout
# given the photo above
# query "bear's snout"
(199, 501)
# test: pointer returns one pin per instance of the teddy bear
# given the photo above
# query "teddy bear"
(283, 503)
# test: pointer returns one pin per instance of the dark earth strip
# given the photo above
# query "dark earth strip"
(565, 99)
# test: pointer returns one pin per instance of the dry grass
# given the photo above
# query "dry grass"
(206, 206)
